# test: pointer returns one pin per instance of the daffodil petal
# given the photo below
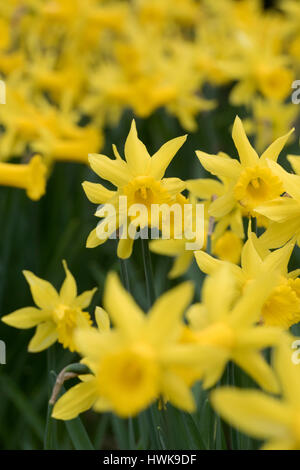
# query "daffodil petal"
(162, 158)
(115, 171)
(68, 290)
(27, 317)
(136, 153)
(247, 154)
(177, 392)
(96, 193)
(76, 400)
(43, 293)
(273, 151)
(44, 337)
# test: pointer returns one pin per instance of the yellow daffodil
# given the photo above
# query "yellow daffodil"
(134, 362)
(56, 316)
(262, 416)
(140, 178)
(282, 307)
(226, 322)
(30, 176)
(283, 212)
(252, 182)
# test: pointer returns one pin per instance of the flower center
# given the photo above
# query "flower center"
(255, 186)
(67, 319)
(128, 379)
(282, 308)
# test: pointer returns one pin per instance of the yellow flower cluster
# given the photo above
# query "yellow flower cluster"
(244, 309)
(71, 68)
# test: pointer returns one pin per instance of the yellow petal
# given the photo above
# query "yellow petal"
(97, 193)
(278, 234)
(288, 371)
(222, 205)
(205, 188)
(91, 344)
(250, 260)
(44, 337)
(181, 264)
(273, 151)
(247, 154)
(163, 157)
(167, 311)
(280, 210)
(252, 412)
(27, 317)
(218, 166)
(167, 247)
(93, 240)
(291, 182)
(121, 307)
(125, 246)
(136, 153)
(295, 162)
(76, 400)
(102, 319)
(256, 367)
(115, 171)
(68, 290)
(84, 299)
(43, 293)
(177, 392)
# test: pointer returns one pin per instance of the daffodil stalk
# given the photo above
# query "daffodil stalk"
(148, 272)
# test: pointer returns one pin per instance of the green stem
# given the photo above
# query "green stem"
(50, 437)
(125, 274)
(148, 273)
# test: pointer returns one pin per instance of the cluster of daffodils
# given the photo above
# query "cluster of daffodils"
(71, 68)
(249, 299)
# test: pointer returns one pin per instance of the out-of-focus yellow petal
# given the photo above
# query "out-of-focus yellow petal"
(181, 264)
(205, 188)
(77, 399)
(252, 412)
(288, 371)
(167, 312)
(278, 234)
(102, 319)
(43, 293)
(125, 246)
(162, 158)
(222, 205)
(122, 309)
(167, 247)
(44, 337)
(177, 392)
(256, 367)
(295, 162)
(247, 154)
(27, 317)
(93, 240)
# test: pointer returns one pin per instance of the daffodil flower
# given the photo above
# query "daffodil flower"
(283, 212)
(134, 362)
(226, 322)
(140, 178)
(282, 307)
(30, 176)
(263, 416)
(251, 182)
(56, 315)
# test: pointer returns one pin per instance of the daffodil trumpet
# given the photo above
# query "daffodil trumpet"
(30, 176)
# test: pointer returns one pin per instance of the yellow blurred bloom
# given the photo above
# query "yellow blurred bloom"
(262, 416)
(134, 362)
(30, 176)
(226, 324)
(57, 314)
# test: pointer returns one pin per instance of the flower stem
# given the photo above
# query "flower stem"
(50, 437)
(148, 272)
(125, 274)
